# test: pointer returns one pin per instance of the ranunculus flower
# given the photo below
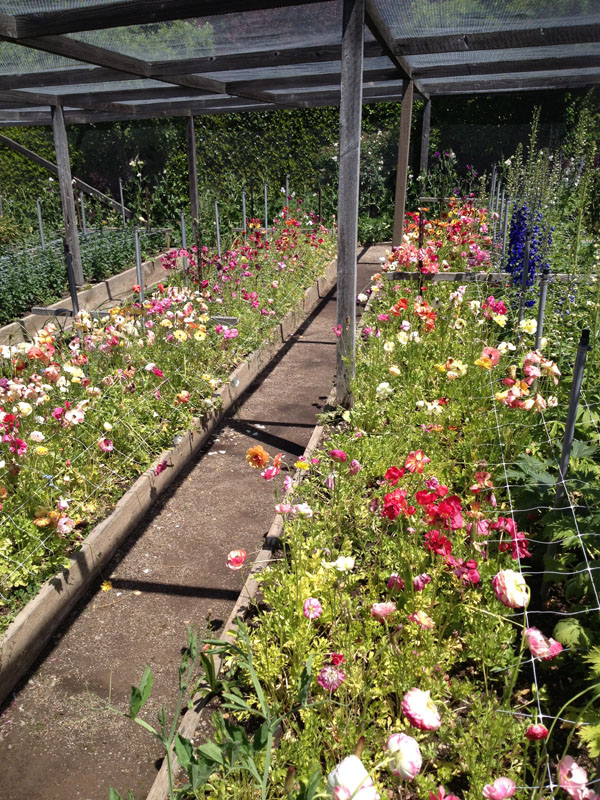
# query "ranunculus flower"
(338, 455)
(331, 678)
(354, 467)
(381, 611)
(421, 581)
(106, 445)
(405, 756)
(499, 789)
(236, 558)
(257, 457)
(511, 588)
(536, 732)
(540, 646)
(416, 460)
(395, 583)
(420, 710)
(572, 778)
(422, 619)
(441, 795)
(350, 779)
(312, 609)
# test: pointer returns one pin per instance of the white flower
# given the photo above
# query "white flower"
(362, 298)
(36, 436)
(384, 389)
(349, 780)
(528, 325)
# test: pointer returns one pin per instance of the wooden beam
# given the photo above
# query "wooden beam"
(100, 56)
(43, 162)
(66, 190)
(425, 129)
(131, 12)
(353, 15)
(402, 174)
(62, 77)
(193, 179)
(378, 27)
(499, 67)
(513, 84)
(499, 40)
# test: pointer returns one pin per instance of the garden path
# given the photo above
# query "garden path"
(58, 739)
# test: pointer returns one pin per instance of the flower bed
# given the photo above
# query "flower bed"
(404, 644)
(83, 413)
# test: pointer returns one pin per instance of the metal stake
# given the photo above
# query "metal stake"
(266, 215)
(122, 203)
(244, 220)
(582, 350)
(492, 190)
(71, 277)
(83, 222)
(542, 307)
(524, 276)
(505, 233)
(218, 227)
(287, 189)
(186, 263)
(138, 263)
(40, 223)
(320, 204)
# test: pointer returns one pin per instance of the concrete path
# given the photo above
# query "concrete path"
(58, 737)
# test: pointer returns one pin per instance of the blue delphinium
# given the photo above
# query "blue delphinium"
(523, 222)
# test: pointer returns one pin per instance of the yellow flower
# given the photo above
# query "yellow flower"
(41, 450)
(181, 336)
(106, 586)
(459, 324)
(166, 323)
(200, 335)
(394, 371)
(528, 326)
(499, 319)
(388, 346)
(302, 465)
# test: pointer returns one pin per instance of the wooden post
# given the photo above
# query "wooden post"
(348, 188)
(193, 179)
(66, 190)
(402, 174)
(425, 128)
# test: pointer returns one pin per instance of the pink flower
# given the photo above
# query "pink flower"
(312, 609)
(536, 732)
(395, 583)
(510, 588)
(572, 778)
(230, 333)
(499, 789)
(381, 611)
(236, 558)
(160, 467)
(416, 460)
(270, 473)
(422, 619)
(331, 678)
(441, 795)
(405, 756)
(420, 710)
(350, 779)
(284, 508)
(65, 525)
(338, 455)
(540, 645)
(354, 467)
(421, 581)
(106, 445)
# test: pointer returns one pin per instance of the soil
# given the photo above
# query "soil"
(59, 735)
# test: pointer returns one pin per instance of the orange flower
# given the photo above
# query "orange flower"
(257, 457)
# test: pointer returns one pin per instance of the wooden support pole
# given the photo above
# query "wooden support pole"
(425, 128)
(66, 190)
(402, 174)
(193, 179)
(348, 187)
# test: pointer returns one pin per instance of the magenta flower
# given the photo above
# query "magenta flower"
(540, 646)
(160, 467)
(354, 467)
(441, 795)
(405, 756)
(420, 710)
(106, 445)
(338, 455)
(572, 778)
(312, 609)
(395, 583)
(500, 789)
(511, 588)
(236, 558)
(536, 732)
(421, 581)
(381, 611)
(331, 678)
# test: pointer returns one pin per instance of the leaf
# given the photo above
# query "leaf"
(581, 449)
(141, 693)
(590, 735)
(113, 794)
(200, 773)
(593, 660)
(260, 737)
(184, 751)
(211, 752)
(308, 792)
(304, 684)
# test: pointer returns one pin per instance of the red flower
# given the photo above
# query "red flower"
(438, 543)
(416, 460)
(395, 504)
(393, 475)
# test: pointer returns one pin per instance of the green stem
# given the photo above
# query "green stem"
(265, 780)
